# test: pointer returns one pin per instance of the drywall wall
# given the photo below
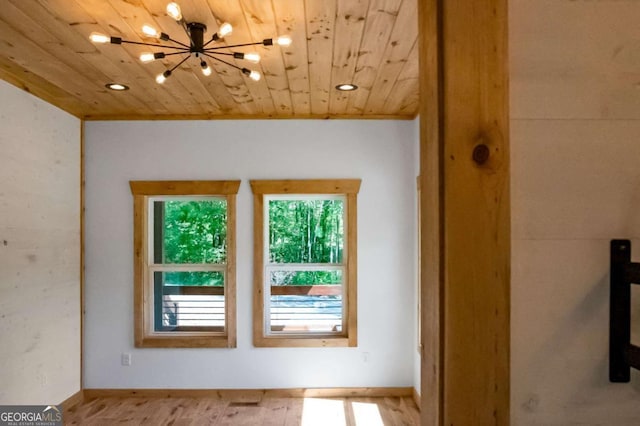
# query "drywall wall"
(381, 153)
(39, 250)
(575, 125)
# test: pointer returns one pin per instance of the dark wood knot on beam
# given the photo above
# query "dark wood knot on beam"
(480, 154)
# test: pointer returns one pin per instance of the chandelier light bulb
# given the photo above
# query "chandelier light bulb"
(254, 75)
(150, 31)
(161, 78)
(252, 57)
(225, 29)
(284, 41)
(147, 57)
(173, 10)
(206, 69)
(99, 38)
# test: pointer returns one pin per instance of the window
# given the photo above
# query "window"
(184, 263)
(305, 262)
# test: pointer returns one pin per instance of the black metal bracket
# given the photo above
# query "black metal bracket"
(622, 354)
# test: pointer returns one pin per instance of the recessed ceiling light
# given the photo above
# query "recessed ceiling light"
(116, 86)
(346, 87)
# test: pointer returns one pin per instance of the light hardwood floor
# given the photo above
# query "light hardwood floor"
(225, 412)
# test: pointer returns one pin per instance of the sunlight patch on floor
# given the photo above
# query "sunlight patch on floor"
(366, 414)
(323, 412)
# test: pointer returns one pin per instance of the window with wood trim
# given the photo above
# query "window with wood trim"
(305, 258)
(184, 263)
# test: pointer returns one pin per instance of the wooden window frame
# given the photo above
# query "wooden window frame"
(349, 189)
(145, 336)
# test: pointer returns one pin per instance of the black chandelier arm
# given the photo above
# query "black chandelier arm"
(183, 49)
(215, 37)
(209, 49)
(236, 55)
(224, 62)
(180, 43)
(207, 43)
(176, 53)
(184, 26)
(179, 63)
(220, 53)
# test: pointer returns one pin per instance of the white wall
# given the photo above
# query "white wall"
(39, 250)
(575, 128)
(381, 153)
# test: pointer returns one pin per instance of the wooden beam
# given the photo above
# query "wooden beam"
(184, 187)
(431, 280)
(465, 212)
(309, 186)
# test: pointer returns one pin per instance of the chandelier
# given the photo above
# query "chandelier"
(197, 47)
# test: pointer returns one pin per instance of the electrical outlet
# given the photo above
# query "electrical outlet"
(42, 379)
(125, 359)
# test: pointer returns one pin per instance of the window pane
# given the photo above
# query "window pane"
(189, 301)
(306, 231)
(190, 231)
(305, 301)
(296, 314)
(305, 277)
(212, 278)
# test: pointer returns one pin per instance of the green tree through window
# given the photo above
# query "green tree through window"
(306, 231)
(194, 232)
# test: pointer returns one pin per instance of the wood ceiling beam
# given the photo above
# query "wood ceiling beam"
(465, 212)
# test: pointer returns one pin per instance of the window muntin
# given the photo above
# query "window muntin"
(184, 263)
(320, 274)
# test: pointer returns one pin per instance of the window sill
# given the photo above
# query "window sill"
(304, 341)
(186, 342)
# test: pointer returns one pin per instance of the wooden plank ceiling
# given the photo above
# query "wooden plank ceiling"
(45, 49)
